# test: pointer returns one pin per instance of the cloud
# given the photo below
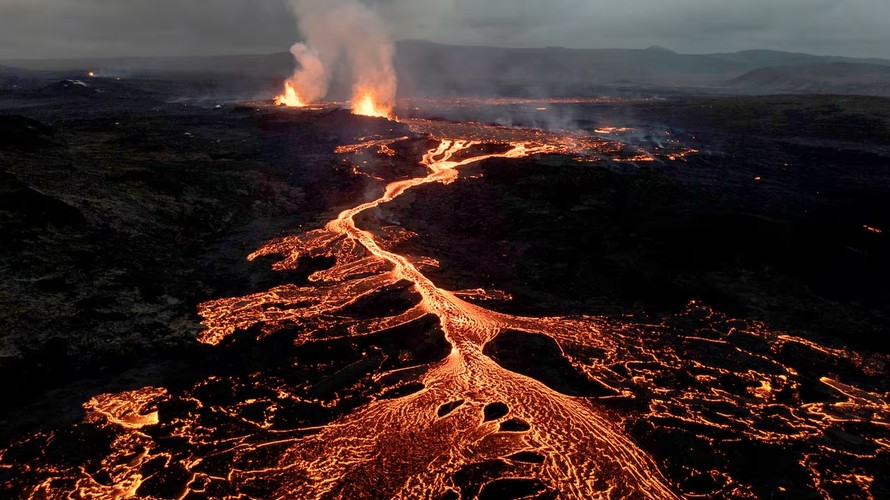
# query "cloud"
(845, 27)
(54, 28)
(78, 28)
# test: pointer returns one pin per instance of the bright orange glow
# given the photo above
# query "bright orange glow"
(367, 105)
(127, 409)
(873, 229)
(383, 146)
(91, 74)
(611, 130)
(290, 98)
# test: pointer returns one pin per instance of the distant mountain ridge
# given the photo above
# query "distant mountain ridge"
(832, 78)
(4, 70)
(768, 58)
(431, 69)
(438, 69)
(262, 65)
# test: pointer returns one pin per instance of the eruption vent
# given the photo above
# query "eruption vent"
(289, 98)
(308, 83)
(335, 29)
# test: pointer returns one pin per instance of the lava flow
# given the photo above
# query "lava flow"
(370, 381)
(406, 447)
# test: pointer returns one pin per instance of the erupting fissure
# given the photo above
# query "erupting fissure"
(290, 98)
(336, 29)
(367, 105)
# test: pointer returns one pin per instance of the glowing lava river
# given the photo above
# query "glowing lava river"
(461, 425)
(410, 446)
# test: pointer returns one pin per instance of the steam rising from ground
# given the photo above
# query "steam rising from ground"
(348, 30)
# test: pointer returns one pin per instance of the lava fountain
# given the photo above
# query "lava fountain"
(342, 31)
(367, 104)
(289, 98)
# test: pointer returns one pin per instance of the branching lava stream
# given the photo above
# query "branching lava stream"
(401, 447)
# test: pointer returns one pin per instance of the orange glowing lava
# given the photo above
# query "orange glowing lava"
(290, 98)
(404, 436)
(367, 105)
(707, 380)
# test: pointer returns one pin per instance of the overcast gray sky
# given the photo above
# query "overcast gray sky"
(78, 28)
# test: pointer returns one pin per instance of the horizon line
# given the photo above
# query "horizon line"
(414, 40)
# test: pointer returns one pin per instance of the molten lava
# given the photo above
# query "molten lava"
(366, 104)
(290, 98)
(399, 435)
(704, 381)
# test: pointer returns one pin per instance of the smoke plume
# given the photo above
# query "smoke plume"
(344, 30)
(311, 79)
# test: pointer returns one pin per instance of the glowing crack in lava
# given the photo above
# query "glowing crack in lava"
(289, 98)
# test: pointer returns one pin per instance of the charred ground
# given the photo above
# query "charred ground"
(123, 212)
